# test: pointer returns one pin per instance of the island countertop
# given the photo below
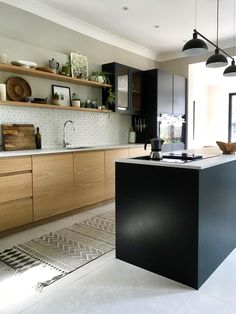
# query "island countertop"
(212, 156)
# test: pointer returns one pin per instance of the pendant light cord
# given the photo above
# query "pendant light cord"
(234, 29)
(195, 22)
(217, 24)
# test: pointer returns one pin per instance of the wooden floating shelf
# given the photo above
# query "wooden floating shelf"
(49, 106)
(50, 76)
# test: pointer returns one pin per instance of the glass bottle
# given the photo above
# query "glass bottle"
(38, 139)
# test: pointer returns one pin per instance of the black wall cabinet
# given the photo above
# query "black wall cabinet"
(126, 82)
(162, 93)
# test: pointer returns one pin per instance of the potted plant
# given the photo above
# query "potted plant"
(100, 77)
(56, 99)
(75, 100)
(111, 97)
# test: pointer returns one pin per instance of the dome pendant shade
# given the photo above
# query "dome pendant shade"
(217, 60)
(230, 70)
(194, 47)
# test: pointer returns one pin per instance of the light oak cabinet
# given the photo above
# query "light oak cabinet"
(52, 184)
(139, 151)
(88, 178)
(42, 186)
(110, 157)
(16, 213)
(15, 192)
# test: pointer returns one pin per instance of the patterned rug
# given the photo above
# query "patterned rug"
(54, 255)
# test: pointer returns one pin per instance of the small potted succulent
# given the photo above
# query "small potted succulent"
(56, 98)
(75, 100)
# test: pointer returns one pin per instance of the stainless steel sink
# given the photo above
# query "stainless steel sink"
(77, 147)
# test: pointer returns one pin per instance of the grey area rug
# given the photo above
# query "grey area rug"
(59, 253)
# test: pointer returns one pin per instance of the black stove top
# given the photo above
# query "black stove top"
(173, 157)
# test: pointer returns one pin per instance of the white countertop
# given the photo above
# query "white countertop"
(211, 157)
(43, 151)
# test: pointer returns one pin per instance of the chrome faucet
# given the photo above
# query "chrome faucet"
(65, 142)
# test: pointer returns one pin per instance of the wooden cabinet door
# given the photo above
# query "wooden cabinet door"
(52, 184)
(179, 97)
(88, 178)
(110, 157)
(139, 151)
(164, 92)
(15, 214)
(15, 186)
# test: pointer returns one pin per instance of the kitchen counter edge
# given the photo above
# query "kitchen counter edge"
(59, 150)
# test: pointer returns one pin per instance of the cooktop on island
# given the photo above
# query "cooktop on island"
(173, 157)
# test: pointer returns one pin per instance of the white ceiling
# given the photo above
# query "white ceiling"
(134, 28)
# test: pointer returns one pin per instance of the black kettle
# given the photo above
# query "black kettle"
(156, 144)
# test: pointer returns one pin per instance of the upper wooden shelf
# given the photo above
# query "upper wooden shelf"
(49, 106)
(50, 76)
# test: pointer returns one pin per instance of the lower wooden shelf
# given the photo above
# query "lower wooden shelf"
(48, 106)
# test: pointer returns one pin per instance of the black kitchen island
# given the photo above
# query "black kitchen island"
(176, 220)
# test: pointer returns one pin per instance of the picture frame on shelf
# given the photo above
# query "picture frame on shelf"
(63, 95)
(79, 65)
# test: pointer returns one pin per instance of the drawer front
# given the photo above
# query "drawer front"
(15, 214)
(15, 187)
(8, 165)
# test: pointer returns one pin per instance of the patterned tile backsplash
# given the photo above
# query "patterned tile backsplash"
(90, 128)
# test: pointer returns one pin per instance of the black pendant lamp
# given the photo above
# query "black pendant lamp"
(195, 46)
(217, 60)
(230, 70)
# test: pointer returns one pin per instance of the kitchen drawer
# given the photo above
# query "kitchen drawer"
(8, 165)
(16, 186)
(15, 214)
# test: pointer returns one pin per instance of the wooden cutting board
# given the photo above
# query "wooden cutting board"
(18, 136)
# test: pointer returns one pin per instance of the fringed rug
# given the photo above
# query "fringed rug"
(56, 254)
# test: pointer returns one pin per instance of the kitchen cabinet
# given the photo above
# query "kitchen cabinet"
(52, 184)
(126, 82)
(167, 91)
(139, 151)
(15, 192)
(49, 76)
(171, 95)
(164, 91)
(110, 157)
(41, 186)
(164, 95)
(88, 178)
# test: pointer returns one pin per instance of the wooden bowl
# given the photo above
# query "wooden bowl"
(227, 148)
